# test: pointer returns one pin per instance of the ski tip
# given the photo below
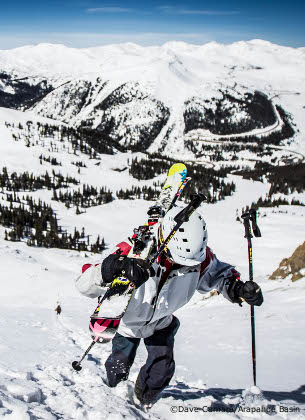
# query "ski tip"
(76, 366)
(180, 168)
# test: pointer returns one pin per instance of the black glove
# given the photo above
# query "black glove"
(135, 270)
(111, 268)
(248, 291)
(252, 293)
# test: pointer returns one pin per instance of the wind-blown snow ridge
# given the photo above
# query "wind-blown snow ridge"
(54, 58)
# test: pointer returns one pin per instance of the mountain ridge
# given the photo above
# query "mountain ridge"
(146, 87)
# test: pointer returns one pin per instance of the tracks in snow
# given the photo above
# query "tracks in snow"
(54, 391)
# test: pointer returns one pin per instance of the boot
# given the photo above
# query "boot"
(146, 397)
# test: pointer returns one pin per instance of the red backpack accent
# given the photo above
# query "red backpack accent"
(124, 247)
(85, 267)
(209, 257)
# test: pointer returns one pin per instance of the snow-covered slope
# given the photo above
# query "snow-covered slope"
(213, 345)
(212, 348)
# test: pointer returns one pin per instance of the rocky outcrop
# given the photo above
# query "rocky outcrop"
(293, 267)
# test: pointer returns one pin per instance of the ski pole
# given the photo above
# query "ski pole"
(180, 218)
(247, 217)
(77, 364)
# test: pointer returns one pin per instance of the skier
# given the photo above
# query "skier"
(186, 265)
(58, 310)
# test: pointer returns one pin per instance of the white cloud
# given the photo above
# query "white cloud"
(181, 11)
(208, 12)
(109, 10)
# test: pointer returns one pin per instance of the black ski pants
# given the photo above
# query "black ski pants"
(159, 367)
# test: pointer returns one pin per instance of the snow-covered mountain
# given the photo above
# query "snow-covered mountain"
(161, 99)
(189, 102)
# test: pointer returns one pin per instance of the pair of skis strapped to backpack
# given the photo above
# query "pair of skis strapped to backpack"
(105, 320)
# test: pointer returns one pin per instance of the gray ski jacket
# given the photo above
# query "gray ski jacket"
(151, 307)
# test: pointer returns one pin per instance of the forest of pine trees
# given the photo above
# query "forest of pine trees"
(283, 179)
(145, 193)
(22, 93)
(53, 161)
(82, 139)
(216, 151)
(271, 202)
(205, 180)
(218, 118)
(30, 182)
(37, 224)
(252, 143)
(89, 197)
(148, 168)
(275, 137)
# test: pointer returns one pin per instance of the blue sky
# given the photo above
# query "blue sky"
(83, 23)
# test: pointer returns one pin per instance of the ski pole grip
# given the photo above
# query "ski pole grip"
(255, 228)
(197, 199)
(246, 221)
(184, 215)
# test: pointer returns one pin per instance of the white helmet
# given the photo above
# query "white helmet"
(188, 245)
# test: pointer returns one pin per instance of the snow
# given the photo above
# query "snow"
(212, 349)
(213, 344)
(173, 73)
